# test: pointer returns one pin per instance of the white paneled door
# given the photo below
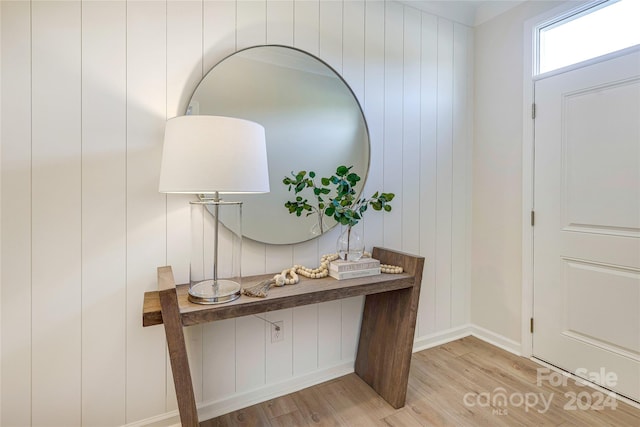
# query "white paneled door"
(587, 223)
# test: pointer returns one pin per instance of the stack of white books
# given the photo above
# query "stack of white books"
(341, 269)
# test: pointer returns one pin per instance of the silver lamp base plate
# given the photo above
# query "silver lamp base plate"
(214, 292)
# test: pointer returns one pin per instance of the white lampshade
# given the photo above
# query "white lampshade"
(207, 154)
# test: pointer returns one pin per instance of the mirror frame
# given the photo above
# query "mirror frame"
(365, 125)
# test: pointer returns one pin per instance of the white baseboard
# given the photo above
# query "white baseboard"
(168, 419)
(443, 337)
(433, 340)
(215, 408)
(212, 409)
(496, 339)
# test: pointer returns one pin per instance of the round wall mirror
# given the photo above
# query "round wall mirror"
(312, 122)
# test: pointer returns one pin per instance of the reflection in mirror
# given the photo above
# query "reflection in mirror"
(312, 122)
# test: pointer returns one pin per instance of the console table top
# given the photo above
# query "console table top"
(308, 291)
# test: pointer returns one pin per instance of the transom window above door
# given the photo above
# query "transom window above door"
(594, 30)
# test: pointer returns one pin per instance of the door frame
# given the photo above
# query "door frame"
(528, 159)
(528, 142)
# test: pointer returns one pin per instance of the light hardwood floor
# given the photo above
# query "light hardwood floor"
(455, 384)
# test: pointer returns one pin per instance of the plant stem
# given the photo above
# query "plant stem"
(346, 256)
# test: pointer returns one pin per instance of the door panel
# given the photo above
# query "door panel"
(587, 231)
(599, 126)
(592, 307)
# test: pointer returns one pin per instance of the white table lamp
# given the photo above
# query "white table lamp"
(209, 156)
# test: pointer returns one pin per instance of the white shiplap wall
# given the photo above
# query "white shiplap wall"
(86, 88)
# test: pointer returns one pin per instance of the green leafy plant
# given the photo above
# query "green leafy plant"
(335, 197)
(298, 184)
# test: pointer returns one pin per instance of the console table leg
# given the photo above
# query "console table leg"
(177, 348)
(387, 333)
(386, 344)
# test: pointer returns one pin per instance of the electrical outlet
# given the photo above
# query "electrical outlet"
(277, 331)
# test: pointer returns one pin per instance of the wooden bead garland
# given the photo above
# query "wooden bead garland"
(289, 276)
(282, 279)
(390, 269)
(317, 273)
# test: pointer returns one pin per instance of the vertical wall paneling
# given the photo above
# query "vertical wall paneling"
(330, 313)
(351, 320)
(353, 45)
(184, 72)
(306, 253)
(219, 31)
(103, 212)
(305, 338)
(329, 333)
(279, 354)
(146, 208)
(305, 25)
(86, 88)
(219, 338)
(327, 243)
(460, 169)
(253, 256)
(278, 257)
(56, 219)
(353, 66)
(251, 27)
(469, 125)
(218, 360)
(279, 31)
(428, 172)
(444, 174)
(16, 214)
(393, 121)
(250, 331)
(250, 353)
(279, 16)
(331, 28)
(330, 50)
(411, 132)
(250, 345)
(280, 22)
(373, 106)
(1, 164)
(306, 33)
(251, 31)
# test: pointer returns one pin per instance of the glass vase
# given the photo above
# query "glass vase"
(350, 244)
(320, 227)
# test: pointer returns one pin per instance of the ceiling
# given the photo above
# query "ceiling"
(468, 12)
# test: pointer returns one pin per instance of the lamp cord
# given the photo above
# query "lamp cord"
(268, 321)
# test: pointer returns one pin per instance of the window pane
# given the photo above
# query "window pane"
(593, 33)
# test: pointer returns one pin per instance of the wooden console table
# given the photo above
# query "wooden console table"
(386, 334)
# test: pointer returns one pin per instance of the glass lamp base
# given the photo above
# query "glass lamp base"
(218, 292)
